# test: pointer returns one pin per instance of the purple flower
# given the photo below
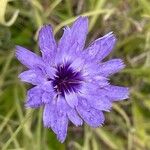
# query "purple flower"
(70, 81)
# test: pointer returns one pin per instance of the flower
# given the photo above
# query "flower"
(70, 81)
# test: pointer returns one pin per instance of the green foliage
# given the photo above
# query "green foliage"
(127, 126)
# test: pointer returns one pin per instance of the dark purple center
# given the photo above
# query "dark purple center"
(66, 79)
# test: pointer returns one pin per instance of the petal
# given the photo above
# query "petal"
(62, 120)
(63, 46)
(34, 77)
(64, 41)
(71, 99)
(62, 126)
(101, 81)
(78, 64)
(91, 67)
(74, 117)
(79, 31)
(67, 55)
(110, 67)
(91, 116)
(102, 47)
(71, 113)
(47, 43)
(99, 102)
(71, 41)
(34, 97)
(62, 104)
(28, 58)
(47, 86)
(96, 97)
(55, 118)
(50, 116)
(48, 97)
(116, 93)
(50, 71)
(89, 87)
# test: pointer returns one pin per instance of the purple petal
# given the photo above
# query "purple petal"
(71, 113)
(62, 120)
(74, 117)
(50, 71)
(50, 116)
(97, 80)
(91, 68)
(63, 46)
(62, 104)
(73, 39)
(110, 67)
(101, 81)
(34, 97)
(47, 86)
(67, 56)
(55, 118)
(89, 87)
(28, 58)
(116, 93)
(79, 31)
(91, 116)
(102, 47)
(78, 64)
(71, 99)
(34, 77)
(62, 126)
(48, 97)
(96, 97)
(99, 102)
(47, 43)
(65, 40)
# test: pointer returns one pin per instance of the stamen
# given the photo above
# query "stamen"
(67, 79)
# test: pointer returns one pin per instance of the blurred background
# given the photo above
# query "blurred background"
(127, 126)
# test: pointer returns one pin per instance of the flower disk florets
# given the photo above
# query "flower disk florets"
(66, 79)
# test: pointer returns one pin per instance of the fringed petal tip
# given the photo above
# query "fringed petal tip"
(61, 139)
(18, 51)
(109, 35)
(97, 126)
(127, 93)
(44, 28)
(27, 57)
(17, 47)
(47, 43)
(117, 93)
(46, 125)
(78, 125)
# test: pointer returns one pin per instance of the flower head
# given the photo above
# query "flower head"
(70, 81)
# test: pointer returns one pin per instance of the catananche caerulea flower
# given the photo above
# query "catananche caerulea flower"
(71, 81)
